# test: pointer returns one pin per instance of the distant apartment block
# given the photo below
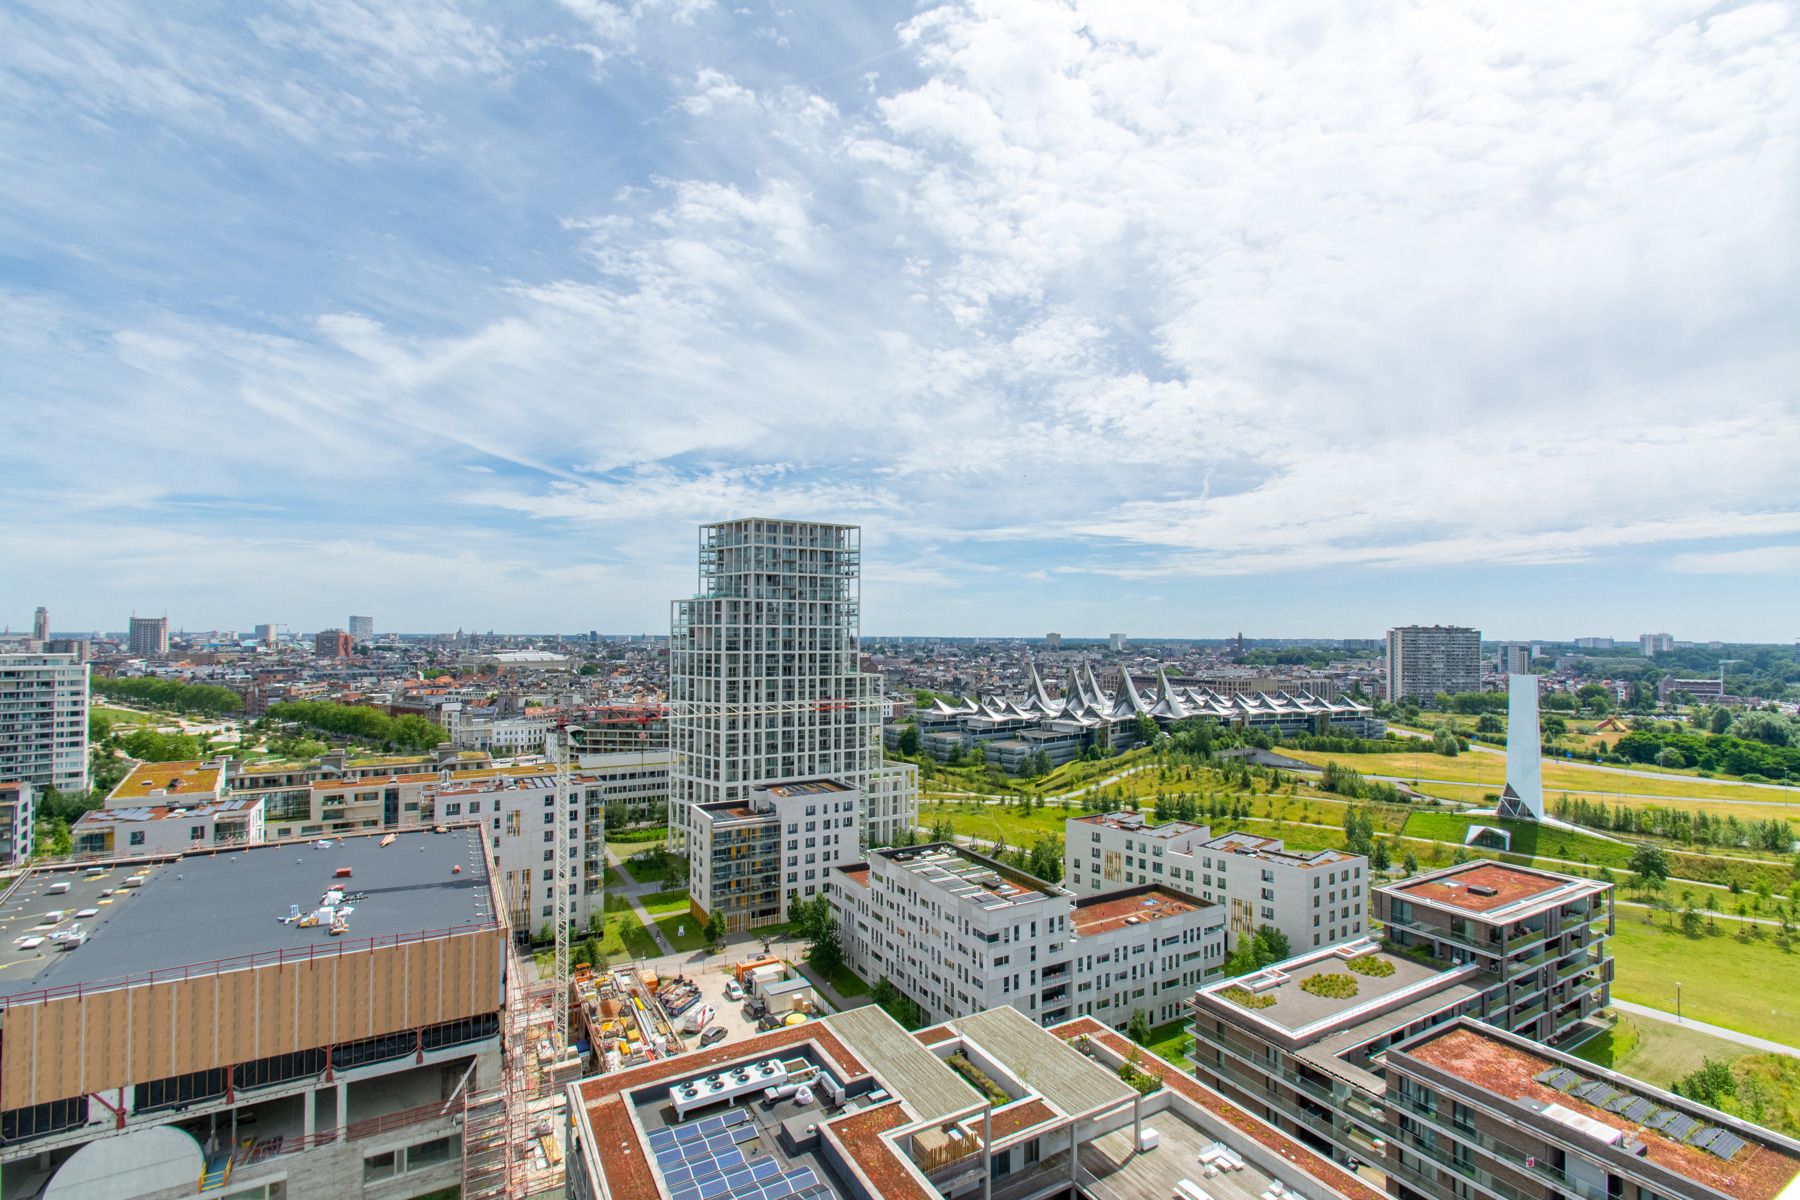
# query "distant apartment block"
(149, 636)
(1593, 643)
(1512, 658)
(17, 824)
(1652, 644)
(765, 681)
(752, 857)
(362, 629)
(1423, 660)
(44, 721)
(1302, 1043)
(1315, 898)
(1116, 642)
(958, 932)
(333, 643)
(40, 625)
(1474, 1109)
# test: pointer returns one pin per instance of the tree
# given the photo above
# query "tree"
(1271, 944)
(1147, 729)
(715, 930)
(909, 740)
(1045, 859)
(826, 950)
(1410, 865)
(1444, 742)
(1138, 1027)
(1710, 1085)
(1378, 855)
(1650, 865)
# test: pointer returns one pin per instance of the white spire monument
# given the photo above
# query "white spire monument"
(1523, 796)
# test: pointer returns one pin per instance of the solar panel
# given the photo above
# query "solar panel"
(1725, 1144)
(1595, 1092)
(1636, 1108)
(1560, 1078)
(744, 1133)
(1661, 1118)
(1681, 1126)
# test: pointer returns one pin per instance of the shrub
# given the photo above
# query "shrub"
(1370, 964)
(1245, 998)
(978, 1079)
(1337, 987)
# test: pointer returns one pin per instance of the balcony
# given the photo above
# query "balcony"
(1512, 1158)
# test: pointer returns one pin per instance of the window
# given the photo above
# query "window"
(137, 837)
(429, 1154)
(196, 833)
(381, 1166)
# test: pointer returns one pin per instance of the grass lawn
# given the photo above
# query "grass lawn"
(675, 919)
(1170, 1042)
(1657, 1052)
(1661, 1052)
(624, 936)
(125, 716)
(847, 983)
(1480, 769)
(1748, 986)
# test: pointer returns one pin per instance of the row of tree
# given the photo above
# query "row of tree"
(369, 725)
(1696, 826)
(1718, 753)
(207, 699)
(1344, 781)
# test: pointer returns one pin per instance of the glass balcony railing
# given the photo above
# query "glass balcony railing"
(1530, 1164)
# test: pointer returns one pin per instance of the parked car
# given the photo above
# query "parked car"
(733, 990)
(715, 1033)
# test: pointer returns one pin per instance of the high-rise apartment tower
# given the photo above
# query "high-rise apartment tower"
(764, 678)
(43, 721)
(362, 629)
(1423, 660)
(149, 635)
(40, 626)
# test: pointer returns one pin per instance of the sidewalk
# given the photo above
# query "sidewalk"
(1730, 1035)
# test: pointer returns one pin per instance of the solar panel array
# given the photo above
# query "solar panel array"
(709, 1159)
(1669, 1122)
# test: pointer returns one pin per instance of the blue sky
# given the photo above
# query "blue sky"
(1096, 316)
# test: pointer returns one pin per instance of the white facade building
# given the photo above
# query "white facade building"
(1314, 898)
(44, 721)
(16, 822)
(362, 629)
(747, 861)
(959, 933)
(765, 684)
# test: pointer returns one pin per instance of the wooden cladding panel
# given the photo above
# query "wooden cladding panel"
(73, 1046)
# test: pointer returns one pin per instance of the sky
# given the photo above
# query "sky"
(1302, 319)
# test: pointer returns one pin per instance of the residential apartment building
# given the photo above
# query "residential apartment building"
(44, 721)
(958, 932)
(17, 823)
(1316, 898)
(1423, 660)
(748, 861)
(765, 683)
(40, 625)
(148, 637)
(1652, 644)
(201, 1038)
(362, 629)
(1301, 1043)
(1474, 1110)
(333, 643)
(1512, 658)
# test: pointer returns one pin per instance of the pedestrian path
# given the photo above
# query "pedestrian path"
(1730, 1035)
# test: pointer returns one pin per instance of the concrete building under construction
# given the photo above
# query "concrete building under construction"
(294, 1020)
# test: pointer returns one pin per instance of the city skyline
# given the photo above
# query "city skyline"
(1092, 318)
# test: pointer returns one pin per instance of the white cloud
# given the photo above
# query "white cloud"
(1760, 560)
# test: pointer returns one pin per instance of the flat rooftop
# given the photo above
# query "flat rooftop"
(1115, 910)
(176, 779)
(1300, 1013)
(1759, 1169)
(1134, 823)
(1492, 889)
(197, 909)
(805, 787)
(968, 876)
(1257, 846)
